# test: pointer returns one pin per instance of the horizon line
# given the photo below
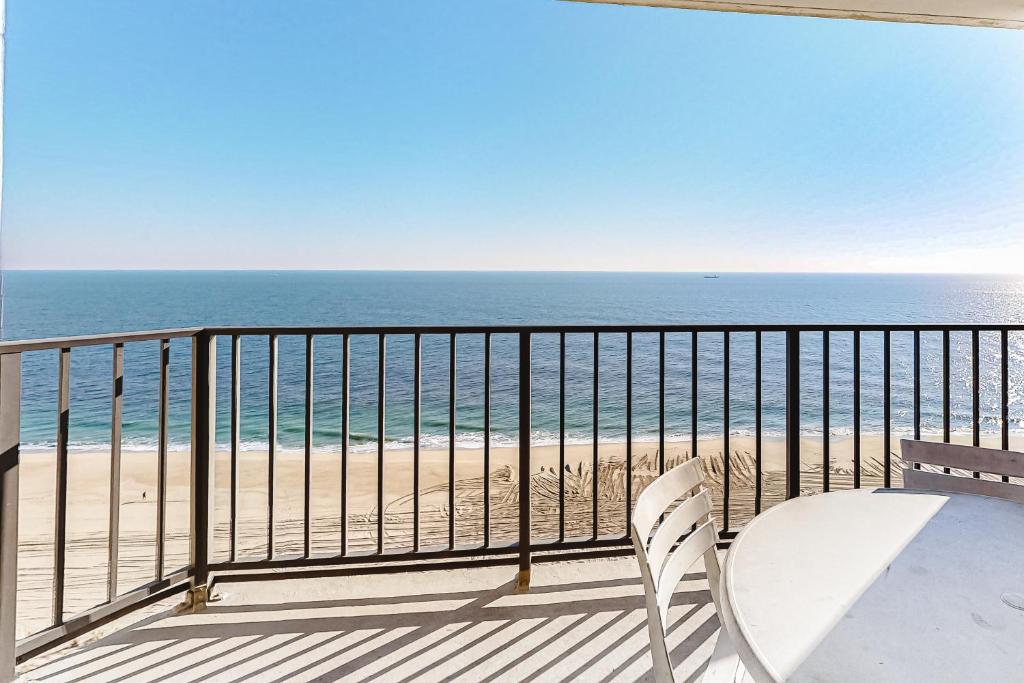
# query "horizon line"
(504, 271)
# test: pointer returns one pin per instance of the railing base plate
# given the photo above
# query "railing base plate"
(523, 581)
(195, 600)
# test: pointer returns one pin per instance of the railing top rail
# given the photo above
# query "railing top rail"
(23, 345)
(608, 328)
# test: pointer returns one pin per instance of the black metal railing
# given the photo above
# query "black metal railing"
(573, 517)
(112, 603)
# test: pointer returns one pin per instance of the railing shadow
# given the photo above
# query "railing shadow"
(592, 628)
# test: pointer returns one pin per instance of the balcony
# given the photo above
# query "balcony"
(278, 564)
(581, 620)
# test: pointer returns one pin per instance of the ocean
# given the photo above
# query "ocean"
(57, 303)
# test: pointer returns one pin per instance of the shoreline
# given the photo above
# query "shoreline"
(439, 443)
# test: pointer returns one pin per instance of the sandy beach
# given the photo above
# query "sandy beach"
(88, 502)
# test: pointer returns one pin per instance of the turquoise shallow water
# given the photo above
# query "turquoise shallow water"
(44, 304)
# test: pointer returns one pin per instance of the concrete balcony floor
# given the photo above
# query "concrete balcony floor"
(582, 620)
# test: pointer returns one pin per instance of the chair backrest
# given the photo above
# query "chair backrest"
(968, 459)
(662, 562)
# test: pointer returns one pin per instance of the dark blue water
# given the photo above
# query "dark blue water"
(46, 304)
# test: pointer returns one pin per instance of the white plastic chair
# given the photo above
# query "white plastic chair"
(663, 563)
(965, 458)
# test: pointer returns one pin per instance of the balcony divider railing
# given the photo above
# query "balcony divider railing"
(431, 539)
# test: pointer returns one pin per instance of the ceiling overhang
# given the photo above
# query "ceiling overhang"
(990, 13)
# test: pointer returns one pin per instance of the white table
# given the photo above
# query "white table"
(879, 584)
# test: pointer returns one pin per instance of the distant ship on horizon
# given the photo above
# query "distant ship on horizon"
(710, 277)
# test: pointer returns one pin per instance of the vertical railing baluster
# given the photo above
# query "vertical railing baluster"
(163, 408)
(487, 439)
(826, 409)
(975, 393)
(271, 440)
(945, 390)
(917, 388)
(381, 435)
(661, 402)
(114, 516)
(792, 413)
(345, 361)
(596, 419)
(452, 416)
(725, 431)
(629, 431)
(61, 512)
(523, 580)
(693, 394)
(307, 464)
(10, 463)
(856, 409)
(561, 436)
(945, 386)
(204, 430)
(417, 381)
(758, 462)
(236, 434)
(1004, 393)
(887, 409)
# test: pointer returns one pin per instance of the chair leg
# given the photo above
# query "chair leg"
(725, 665)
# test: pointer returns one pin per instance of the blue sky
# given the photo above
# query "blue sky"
(505, 134)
